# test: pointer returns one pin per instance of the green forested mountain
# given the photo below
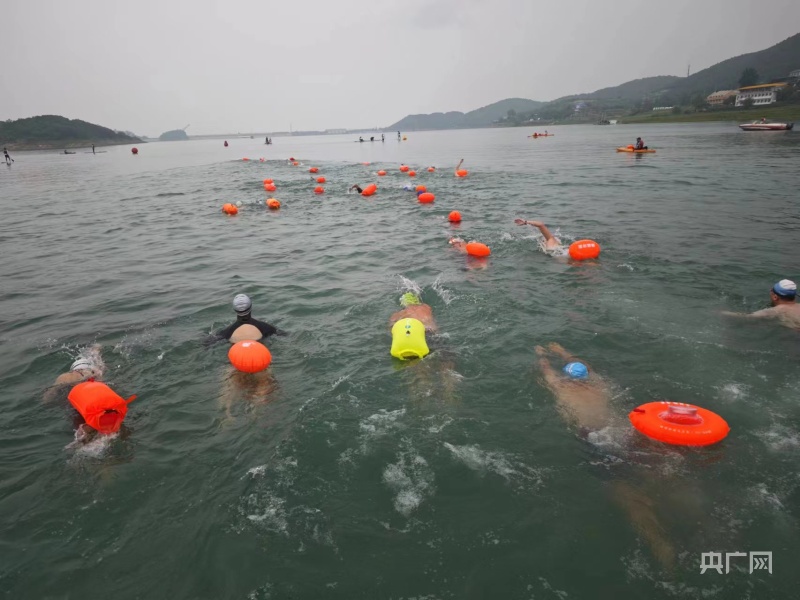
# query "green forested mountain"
(481, 117)
(54, 131)
(637, 96)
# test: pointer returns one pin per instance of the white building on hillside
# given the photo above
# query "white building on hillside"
(766, 93)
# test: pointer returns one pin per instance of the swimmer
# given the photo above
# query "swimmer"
(458, 167)
(582, 396)
(89, 365)
(551, 242)
(246, 327)
(356, 188)
(583, 400)
(784, 308)
(398, 136)
(415, 309)
(383, 139)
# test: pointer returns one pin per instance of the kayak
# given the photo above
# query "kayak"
(538, 135)
(648, 151)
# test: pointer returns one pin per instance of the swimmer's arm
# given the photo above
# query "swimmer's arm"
(759, 314)
(458, 166)
(548, 237)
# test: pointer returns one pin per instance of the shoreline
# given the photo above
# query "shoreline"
(62, 145)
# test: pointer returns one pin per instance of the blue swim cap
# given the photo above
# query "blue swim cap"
(786, 288)
(576, 370)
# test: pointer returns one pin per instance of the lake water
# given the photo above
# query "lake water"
(355, 475)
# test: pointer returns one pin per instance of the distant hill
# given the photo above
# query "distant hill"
(481, 117)
(176, 135)
(53, 131)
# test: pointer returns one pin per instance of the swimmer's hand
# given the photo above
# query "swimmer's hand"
(520, 221)
(539, 351)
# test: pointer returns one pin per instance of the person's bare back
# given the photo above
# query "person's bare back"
(420, 312)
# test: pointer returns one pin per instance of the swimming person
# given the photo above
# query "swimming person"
(246, 327)
(93, 152)
(582, 396)
(583, 400)
(414, 308)
(398, 136)
(355, 187)
(360, 139)
(383, 139)
(8, 158)
(784, 307)
(551, 242)
(458, 168)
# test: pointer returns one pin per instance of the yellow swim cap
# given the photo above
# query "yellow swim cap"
(408, 339)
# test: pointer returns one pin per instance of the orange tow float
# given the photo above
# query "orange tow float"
(369, 190)
(249, 356)
(679, 424)
(273, 204)
(584, 250)
(478, 249)
(229, 209)
(100, 406)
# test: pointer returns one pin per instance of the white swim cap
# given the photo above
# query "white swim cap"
(82, 364)
(242, 304)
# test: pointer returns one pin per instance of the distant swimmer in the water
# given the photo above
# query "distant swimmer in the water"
(398, 136)
(93, 152)
(784, 307)
(383, 139)
(551, 242)
(360, 139)
(355, 187)
(8, 158)
(246, 327)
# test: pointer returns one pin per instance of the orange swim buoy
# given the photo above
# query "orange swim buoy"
(404, 169)
(412, 173)
(134, 151)
(431, 169)
(100, 406)
(462, 173)
(295, 163)
(319, 190)
(478, 249)
(249, 356)
(584, 250)
(381, 173)
(426, 198)
(369, 190)
(421, 188)
(630, 147)
(273, 204)
(245, 159)
(270, 187)
(678, 423)
(366, 164)
(454, 217)
(320, 180)
(267, 181)
(313, 169)
(229, 209)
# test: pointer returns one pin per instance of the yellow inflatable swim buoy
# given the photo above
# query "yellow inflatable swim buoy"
(408, 339)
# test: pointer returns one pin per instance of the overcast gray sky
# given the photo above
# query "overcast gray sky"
(261, 65)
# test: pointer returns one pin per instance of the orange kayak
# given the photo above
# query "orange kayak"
(648, 151)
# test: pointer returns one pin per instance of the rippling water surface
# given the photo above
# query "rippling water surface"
(356, 476)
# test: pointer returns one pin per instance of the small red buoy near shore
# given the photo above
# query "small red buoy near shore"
(134, 151)
(454, 217)
(319, 190)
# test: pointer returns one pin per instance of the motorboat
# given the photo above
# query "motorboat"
(764, 125)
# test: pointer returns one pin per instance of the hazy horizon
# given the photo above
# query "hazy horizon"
(148, 67)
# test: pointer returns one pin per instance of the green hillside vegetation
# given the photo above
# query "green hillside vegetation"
(52, 131)
(481, 117)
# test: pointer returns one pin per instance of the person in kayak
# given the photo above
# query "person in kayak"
(784, 307)
(639, 144)
(246, 327)
(551, 242)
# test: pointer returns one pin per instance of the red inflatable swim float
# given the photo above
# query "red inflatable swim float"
(369, 190)
(426, 198)
(584, 250)
(478, 249)
(250, 356)
(679, 424)
(100, 406)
